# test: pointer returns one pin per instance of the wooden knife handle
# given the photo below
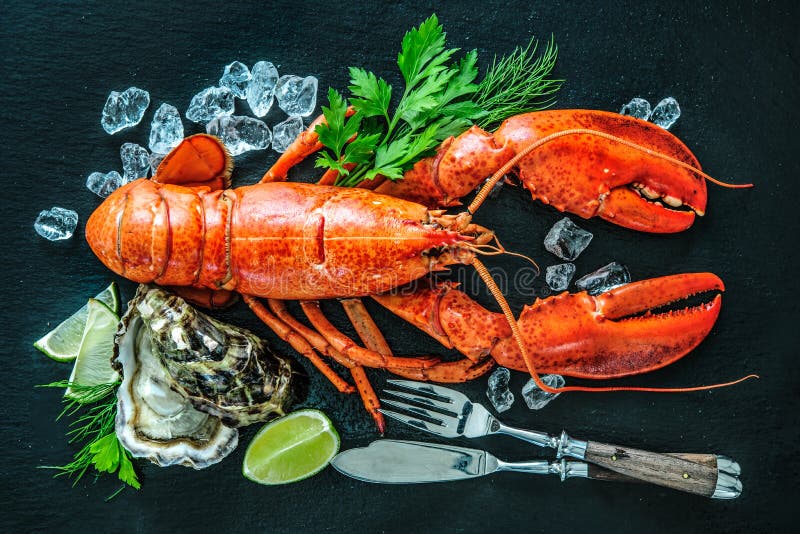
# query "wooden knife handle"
(600, 473)
(662, 469)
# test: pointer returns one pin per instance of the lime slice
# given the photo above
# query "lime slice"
(93, 363)
(291, 448)
(62, 343)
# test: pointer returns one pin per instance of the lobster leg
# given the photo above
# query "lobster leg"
(349, 349)
(373, 339)
(306, 144)
(322, 346)
(363, 386)
(298, 343)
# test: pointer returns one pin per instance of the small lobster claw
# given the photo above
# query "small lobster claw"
(614, 334)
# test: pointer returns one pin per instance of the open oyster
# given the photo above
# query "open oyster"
(187, 378)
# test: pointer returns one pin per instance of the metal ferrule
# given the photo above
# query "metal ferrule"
(565, 469)
(728, 465)
(728, 487)
(567, 446)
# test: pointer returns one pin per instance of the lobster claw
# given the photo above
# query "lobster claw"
(614, 334)
(627, 171)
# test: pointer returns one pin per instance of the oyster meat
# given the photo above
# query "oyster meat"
(188, 378)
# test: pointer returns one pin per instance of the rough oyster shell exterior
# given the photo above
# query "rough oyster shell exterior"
(223, 370)
(188, 379)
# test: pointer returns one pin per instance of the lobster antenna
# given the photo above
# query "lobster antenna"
(512, 322)
(497, 250)
(502, 171)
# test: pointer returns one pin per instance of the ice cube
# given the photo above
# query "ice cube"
(558, 276)
(209, 103)
(56, 223)
(155, 161)
(296, 95)
(638, 107)
(103, 185)
(125, 109)
(605, 278)
(135, 162)
(236, 77)
(567, 240)
(535, 398)
(240, 134)
(284, 133)
(166, 130)
(666, 113)
(497, 390)
(261, 89)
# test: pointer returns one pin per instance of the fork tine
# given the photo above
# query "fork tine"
(444, 431)
(431, 389)
(436, 417)
(430, 402)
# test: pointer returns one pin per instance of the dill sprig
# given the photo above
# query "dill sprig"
(95, 427)
(518, 83)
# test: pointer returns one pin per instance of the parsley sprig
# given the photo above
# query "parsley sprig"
(440, 98)
(95, 427)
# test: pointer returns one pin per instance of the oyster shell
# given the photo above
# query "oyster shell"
(187, 378)
(155, 422)
(223, 370)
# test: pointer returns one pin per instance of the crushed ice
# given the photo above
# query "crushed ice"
(56, 223)
(559, 276)
(296, 95)
(236, 77)
(638, 107)
(135, 162)
(166, 130)
(664, 114)
(103, 185)
(261, 89)
(497, 390)
(605, 278)
(535, 398)
(210, 103)
(567, 240)
(285, 132)
(240, 134)
(125, 109)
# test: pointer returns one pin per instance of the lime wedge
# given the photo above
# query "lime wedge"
(62, 343)
(93, 363)
(291, 448)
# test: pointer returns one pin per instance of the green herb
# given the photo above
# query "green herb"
(95, 427)
(440, 99)
(518, 83)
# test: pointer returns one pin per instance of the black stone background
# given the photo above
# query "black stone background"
(731, 65)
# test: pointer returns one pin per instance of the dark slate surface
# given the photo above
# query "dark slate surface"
(732, 67)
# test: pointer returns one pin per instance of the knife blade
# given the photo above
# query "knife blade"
(390, 461)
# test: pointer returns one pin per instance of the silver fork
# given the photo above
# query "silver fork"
(451, 414)
(468, 419)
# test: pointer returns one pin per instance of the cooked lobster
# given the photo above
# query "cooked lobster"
(295, 241)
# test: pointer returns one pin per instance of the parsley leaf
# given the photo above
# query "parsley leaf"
(337, 129)
(105, 453)
(373, 92)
